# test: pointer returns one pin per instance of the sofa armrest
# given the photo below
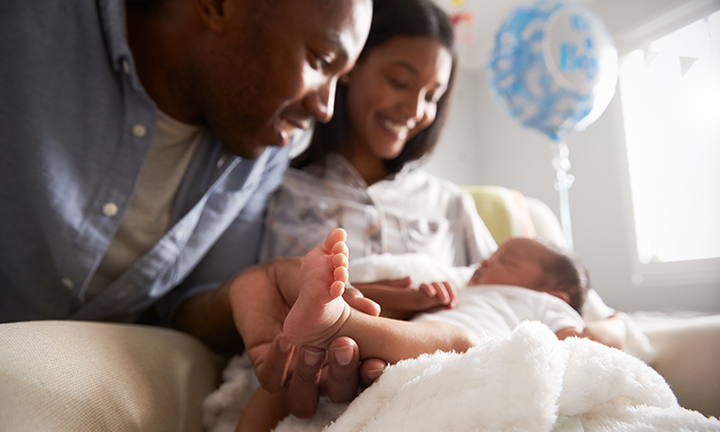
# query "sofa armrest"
(77, 376)
(688, 357)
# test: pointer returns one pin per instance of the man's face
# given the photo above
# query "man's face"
(275, 68)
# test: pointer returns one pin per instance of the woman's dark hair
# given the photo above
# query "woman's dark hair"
(390, 18)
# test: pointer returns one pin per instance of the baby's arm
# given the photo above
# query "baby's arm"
(567, 332)
(394, 340)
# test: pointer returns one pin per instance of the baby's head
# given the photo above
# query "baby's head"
(536, 265)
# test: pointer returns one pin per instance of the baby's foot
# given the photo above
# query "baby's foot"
(320, 311)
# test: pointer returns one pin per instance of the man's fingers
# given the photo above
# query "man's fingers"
(273, 370)
(303, 392)
(370, 370)
(342, 377)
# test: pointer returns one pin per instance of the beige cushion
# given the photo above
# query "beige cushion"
(74, 376)
(503, 210)
(688, 357)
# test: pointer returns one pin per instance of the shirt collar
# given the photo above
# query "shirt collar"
(112, 19)
(339, 169)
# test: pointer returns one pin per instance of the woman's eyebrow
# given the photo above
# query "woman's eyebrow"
(414, 71)
(407, 66)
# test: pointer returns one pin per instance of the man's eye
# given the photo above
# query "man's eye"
(322, 62)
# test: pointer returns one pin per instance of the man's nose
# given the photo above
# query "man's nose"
(321, 102)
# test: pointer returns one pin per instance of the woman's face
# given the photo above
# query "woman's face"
(393, 93)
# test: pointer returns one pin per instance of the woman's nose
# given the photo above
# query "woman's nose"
(414, 106)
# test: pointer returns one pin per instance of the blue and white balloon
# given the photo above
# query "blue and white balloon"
(554, 67)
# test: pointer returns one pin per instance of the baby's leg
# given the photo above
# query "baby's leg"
(320, 311)
(263, 411)
(320, 314)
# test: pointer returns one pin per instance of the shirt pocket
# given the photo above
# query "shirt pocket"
(319, 212)
(425, 235)
(293, 230)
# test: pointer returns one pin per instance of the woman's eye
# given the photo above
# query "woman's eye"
(432, 98)
(398, 84)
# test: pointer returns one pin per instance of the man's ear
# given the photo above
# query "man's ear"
(215, 13)
(562, 295)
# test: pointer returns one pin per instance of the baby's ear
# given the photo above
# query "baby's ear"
(562, 295)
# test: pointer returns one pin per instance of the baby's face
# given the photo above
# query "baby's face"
(518, 262)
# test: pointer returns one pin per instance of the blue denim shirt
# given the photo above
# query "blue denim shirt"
(75, 127)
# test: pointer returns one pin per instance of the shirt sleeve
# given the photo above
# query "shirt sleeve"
(558, 315)
(236, 249)
(479, 242)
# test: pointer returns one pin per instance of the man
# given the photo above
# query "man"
(135, 166)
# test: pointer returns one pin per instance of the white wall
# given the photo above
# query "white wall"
(482, 145)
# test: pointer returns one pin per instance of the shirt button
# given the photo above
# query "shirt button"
(126, 67)
(139, 130)
(375, 236)
(221, 161)
(67, 283)
(110, 209)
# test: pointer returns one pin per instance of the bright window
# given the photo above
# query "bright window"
(671, 105)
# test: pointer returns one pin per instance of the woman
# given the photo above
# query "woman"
(360, 170)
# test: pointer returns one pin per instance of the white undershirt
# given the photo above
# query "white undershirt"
(148, 215)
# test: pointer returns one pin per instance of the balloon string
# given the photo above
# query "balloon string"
(563, 183)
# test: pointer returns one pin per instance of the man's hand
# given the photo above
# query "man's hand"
(261, 297)
(254, 304)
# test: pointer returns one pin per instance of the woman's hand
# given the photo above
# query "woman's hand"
(565, 333)
(444, 292)
(397, 299)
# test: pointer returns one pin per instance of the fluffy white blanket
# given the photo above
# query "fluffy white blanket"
(528, 382)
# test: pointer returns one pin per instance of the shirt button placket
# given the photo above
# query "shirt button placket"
(126, 66)
(67, 283)
(139, 130)
(110, 209)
